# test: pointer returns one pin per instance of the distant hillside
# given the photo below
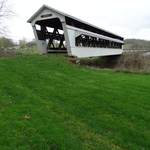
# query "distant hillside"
(136, 44)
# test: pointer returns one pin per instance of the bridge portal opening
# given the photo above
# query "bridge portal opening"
(51, 31)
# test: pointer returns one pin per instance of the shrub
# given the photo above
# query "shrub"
(8, 53)
(134, 62)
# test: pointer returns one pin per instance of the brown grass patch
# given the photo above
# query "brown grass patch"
(134, 62)
(8, 53)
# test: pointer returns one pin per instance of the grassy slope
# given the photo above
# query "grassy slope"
(71, 107)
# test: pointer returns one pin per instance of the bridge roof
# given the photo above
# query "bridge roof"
(80, 22)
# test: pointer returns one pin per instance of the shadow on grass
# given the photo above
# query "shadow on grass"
(98, 62)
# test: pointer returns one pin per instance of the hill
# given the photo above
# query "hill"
(47, 103)
(136, 44)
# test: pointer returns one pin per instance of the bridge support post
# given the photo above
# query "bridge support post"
(40, 43)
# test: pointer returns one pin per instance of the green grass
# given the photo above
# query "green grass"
(28, 51)
(127, 46)
(71, 107)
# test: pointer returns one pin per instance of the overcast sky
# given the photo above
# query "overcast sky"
(127, 18)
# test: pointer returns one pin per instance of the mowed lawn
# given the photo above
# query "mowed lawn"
(47, 103)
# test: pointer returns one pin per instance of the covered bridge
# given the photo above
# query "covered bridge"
(59, 32)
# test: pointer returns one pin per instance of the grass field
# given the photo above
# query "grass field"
(28, 50)
(127, 46)
(46, 103)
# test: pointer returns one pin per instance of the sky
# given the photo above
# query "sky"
(127, 18)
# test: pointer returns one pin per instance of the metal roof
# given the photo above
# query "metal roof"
(69, 16)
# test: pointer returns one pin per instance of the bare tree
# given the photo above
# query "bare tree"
(6, 13)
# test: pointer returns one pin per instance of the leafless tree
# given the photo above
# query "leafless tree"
(6, 13)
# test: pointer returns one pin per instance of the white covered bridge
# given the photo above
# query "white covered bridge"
(59, 32)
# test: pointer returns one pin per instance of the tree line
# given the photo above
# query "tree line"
(137, 44)
(6, 43)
